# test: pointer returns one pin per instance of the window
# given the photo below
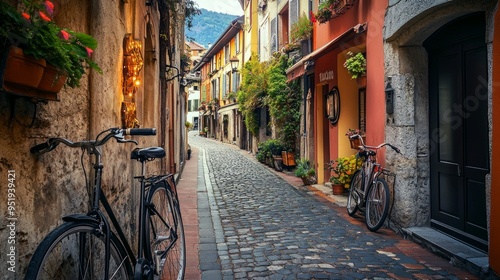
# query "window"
(235, 82)
(196, 104)
(237, 43)
(264, 51)
(227, 53)
(227, 84)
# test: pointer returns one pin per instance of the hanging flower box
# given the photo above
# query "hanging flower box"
(22, 71)
(43, 82)
(33, 31)
(52, 80)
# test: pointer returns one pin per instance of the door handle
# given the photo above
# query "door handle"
(458, 170)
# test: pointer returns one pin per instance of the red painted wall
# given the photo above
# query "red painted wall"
(494, 250)
(371, 12)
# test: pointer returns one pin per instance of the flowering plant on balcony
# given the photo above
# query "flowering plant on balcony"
(301, 29)
(325, 10)
(34, 31)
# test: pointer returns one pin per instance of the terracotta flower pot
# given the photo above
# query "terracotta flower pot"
(361, 80)
(22, 71)
(52, 80)
(338, 189)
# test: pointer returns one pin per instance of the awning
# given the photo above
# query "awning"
(298, 69)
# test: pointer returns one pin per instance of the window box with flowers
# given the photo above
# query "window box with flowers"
(325, 11)
(63, 55)
(329, 9)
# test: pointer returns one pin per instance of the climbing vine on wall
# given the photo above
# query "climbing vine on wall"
(283, 100)
(252, 92)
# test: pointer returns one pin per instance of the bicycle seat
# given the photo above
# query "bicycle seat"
(144, 154)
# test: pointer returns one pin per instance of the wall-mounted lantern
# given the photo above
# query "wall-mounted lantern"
(234, 64)
(333, 105)
(132, 66)
(389, 98)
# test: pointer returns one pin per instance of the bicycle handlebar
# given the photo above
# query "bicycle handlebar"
(139, 131)
(397, 150)
(116, 133)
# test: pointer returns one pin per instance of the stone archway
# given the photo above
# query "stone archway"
(406, 63)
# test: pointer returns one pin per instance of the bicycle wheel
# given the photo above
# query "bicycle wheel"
(75, 250)
(377, 204)
(165, 233)
(354, 193)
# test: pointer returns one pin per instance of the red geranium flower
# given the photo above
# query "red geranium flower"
(44, 16)
(64, 34)
(49, 6)
(313, 18)
(26, 16)
(89, 51)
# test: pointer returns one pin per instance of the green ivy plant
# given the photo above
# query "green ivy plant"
(355, 64)
(283, 100)
(252, 92)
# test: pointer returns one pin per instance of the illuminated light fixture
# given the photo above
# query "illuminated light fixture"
(132, 66)
(234, 63)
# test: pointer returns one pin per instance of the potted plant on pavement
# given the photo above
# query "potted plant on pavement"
(343, 169)
(305, 171)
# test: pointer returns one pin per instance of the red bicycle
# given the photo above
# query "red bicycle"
(369, 190)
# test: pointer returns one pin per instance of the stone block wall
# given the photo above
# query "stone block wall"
(52, 185)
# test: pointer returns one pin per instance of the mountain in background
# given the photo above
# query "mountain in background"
(208, 27)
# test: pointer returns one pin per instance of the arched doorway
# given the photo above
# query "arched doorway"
(458, 129)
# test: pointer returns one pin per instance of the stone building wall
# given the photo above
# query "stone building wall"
(407, 25)
(52, 185)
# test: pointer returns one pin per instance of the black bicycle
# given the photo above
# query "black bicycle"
(369, 189)
(86, 247)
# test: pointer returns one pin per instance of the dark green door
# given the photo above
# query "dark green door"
(459, 146)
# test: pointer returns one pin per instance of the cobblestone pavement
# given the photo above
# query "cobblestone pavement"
(255, 225)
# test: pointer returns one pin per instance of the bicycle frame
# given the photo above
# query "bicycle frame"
(100, 199)
(371, 169)
(96, 215)
(96, 212)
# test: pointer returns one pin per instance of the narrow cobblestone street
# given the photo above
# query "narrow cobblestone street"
(253, 224)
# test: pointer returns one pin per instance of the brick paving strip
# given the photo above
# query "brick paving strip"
(188, 196)
(260, 224)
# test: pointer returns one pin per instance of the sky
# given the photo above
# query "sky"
(231, 7)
